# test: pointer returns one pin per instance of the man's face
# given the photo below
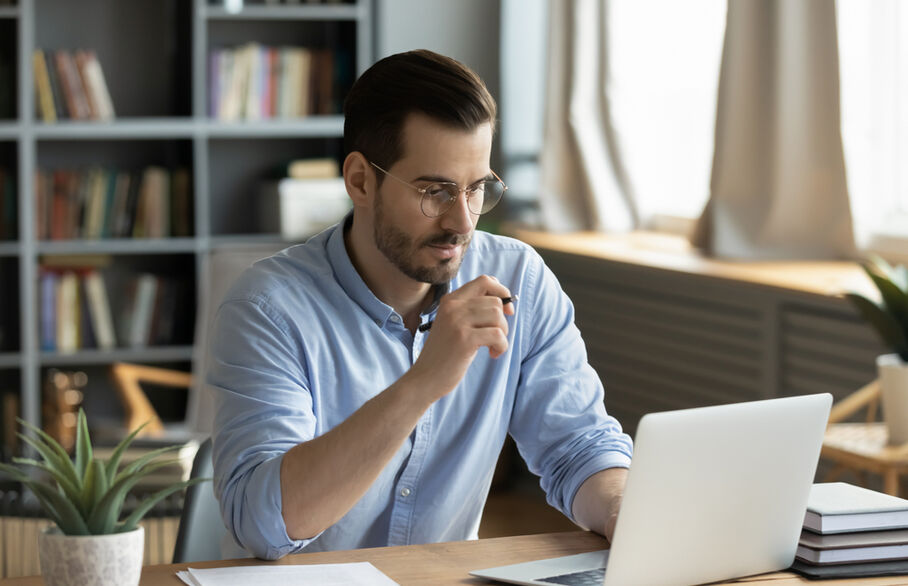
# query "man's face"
(430, 250)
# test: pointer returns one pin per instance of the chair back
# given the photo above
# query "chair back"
(201, 527)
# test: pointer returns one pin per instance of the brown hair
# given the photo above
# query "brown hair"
(417, 81)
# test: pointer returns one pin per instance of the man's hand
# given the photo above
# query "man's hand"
(598, 501)
(469, 318)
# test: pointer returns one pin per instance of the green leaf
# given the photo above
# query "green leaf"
(894, 300)
(106, 513)
(133, 519)
(58, 507)
(134, 467)
(114, 462)
(60, 458)
(94, 488)
(69, 489)
(63, 466)
(83, 445)
(885, 324)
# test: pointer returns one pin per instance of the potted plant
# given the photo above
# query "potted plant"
(889, 317)
(91, 544)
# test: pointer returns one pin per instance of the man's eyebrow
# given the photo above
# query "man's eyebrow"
(442, 179)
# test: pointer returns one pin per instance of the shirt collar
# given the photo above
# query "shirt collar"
(354, 286)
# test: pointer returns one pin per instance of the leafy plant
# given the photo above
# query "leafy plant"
(86, 497)
(889, 317)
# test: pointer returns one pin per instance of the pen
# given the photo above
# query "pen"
(428, 325)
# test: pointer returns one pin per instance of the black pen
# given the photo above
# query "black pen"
(428, 325)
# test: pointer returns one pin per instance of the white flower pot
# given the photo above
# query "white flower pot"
(91, 560)
(894, 388)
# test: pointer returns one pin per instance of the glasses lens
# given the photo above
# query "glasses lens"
(486, 196)
(438, 198)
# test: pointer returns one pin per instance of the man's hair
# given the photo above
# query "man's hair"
(417, 81)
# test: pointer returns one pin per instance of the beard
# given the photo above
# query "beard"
(400, 249)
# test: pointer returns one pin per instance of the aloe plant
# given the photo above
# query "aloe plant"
(86, 496)
(889, 316)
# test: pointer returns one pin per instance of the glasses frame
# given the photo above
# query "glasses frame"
(460, 190)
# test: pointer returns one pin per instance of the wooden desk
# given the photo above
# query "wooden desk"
(449, 563)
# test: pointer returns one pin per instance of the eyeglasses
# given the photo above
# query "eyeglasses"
(438, 198)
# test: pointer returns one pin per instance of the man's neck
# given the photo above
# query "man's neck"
(407, 296)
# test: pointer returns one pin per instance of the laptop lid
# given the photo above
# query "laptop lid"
(713, 493)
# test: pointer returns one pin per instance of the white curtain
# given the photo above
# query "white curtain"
(778, 181)
(583, 182)
(631, 100)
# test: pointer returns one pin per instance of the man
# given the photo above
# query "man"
(365, 381)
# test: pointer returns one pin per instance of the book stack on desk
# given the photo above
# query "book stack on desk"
(851, 531)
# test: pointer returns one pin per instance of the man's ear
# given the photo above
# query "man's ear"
(359, 179)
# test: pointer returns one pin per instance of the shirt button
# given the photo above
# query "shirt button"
(395, 319)
(405, 492)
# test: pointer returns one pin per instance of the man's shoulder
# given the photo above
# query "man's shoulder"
(486, 242)
(298, 271)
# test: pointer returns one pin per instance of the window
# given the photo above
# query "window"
(873, 62)
(664, 72)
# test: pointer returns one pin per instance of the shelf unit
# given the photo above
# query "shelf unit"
(155, 59)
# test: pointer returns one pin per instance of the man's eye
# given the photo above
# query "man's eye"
(437, 191)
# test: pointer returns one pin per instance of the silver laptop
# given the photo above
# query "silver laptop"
(713, 493)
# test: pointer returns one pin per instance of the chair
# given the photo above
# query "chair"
(863, 447)
(201, 528)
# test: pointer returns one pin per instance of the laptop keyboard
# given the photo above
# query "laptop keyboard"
(585, 578)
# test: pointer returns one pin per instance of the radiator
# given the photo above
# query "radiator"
(663, 340)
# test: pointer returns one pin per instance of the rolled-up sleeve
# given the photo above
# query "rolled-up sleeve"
(559, 422)
(263, 408)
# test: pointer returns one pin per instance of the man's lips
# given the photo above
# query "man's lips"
(445, 250)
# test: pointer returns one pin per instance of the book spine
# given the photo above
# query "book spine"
(48, 315)
(42, 83)
(146, 292)
(99, 307)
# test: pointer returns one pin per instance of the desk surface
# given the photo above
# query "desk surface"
(449, 563)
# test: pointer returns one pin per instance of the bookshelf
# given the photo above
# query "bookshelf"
(155, 59)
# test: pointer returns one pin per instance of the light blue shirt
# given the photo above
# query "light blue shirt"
(300, 343)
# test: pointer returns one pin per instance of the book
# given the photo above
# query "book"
(99, 309)
(322, 168)
(68, 334)
(863, 546)
(42, 82)
(95, 85)
(140, 328)
(838, 507)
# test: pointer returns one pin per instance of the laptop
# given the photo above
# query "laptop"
(713, 493)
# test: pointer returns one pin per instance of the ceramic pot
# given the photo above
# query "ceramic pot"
(91, 560)
(894, 388)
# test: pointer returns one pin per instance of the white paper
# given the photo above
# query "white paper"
(362, 573)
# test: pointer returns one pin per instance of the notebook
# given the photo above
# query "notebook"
(713, 493)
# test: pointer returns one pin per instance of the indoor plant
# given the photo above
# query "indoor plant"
(889, 317)
(90, 544)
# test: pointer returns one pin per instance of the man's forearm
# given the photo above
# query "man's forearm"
(323, 478)
(598, 501)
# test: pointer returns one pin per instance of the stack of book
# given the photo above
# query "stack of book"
(70, 85)
(255, 82)
(99, 203)
(77, 312)
(851, 531)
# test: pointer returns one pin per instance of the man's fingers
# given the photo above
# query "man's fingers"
(484, 285)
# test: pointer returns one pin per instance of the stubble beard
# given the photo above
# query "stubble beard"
(400, 250)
